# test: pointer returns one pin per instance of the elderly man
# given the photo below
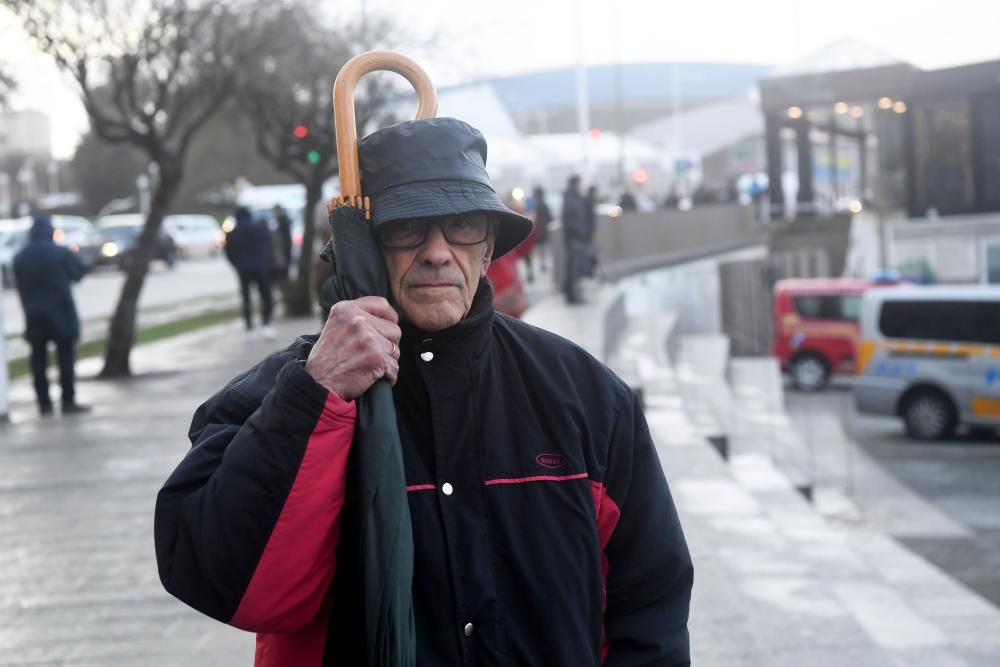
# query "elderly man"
(544, 533)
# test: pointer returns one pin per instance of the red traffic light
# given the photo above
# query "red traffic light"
(301, 131)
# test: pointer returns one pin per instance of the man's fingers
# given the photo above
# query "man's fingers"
(388, 330)
(391, 371)
(377, 306)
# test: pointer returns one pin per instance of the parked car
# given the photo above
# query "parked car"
(816, 327)
(928, 355)
(195, 235)
(114, 240)
(70, 230)
(13, 237)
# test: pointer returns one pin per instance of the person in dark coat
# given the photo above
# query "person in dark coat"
(543, 529)
(576, 235)
(44, 272)
(543, 216)
(281, 244)
(590, 214)
(248, 250)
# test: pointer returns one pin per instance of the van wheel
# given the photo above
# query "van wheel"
(809, 372)
(929, 415)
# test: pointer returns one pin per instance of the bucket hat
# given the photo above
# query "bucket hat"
(434, 167)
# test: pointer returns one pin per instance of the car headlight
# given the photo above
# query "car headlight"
(109, 249)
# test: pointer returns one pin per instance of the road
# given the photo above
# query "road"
(97, 294)
(960, 478)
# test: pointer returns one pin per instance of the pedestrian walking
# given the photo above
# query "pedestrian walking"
(281, 245)
(575, 239)
(590, 216)
(44, 273)
(543, 216)
(627, 202)
(543, 531)
(508, 290)
(248, 250)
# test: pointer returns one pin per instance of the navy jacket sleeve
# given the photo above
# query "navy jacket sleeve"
(650, 574)
(246, 526)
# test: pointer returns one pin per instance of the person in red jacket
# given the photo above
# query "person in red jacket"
(543, 529)
(508, 291)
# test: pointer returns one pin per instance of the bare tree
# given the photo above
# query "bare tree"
(7, 85)
(151, 73)
(287, 96)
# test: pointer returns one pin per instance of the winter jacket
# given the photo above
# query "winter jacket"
(44, 272)
(248, 245)
(544, 532)
(574, 217)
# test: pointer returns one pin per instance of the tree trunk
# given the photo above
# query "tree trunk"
(299, 300)
(121, 331)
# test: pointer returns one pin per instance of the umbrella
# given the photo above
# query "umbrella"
(379, 530)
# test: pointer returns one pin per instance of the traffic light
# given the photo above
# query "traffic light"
(301, 131)
(313, 157)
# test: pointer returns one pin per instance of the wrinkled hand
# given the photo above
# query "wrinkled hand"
(358, 345)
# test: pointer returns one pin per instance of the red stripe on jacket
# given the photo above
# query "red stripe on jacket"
(289, 584)
(607, 520)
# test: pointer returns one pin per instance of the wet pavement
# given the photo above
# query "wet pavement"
(958, 479)
(776, 583)
(78, 581)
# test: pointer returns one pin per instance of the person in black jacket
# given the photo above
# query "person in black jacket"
(248, 250)
(543, 529)
(281, 244)
(44, 273)
(576, 238)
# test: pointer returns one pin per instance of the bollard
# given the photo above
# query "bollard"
(4, 379)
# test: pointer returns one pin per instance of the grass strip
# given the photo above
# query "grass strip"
(95, 348)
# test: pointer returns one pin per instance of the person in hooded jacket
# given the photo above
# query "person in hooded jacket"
(44, 272)
(543, 530)
(248, 250)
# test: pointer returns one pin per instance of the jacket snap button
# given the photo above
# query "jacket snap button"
(447, 489)
(468, 629)
(426, 356)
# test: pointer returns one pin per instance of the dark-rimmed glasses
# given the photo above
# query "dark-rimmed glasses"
(464, 229)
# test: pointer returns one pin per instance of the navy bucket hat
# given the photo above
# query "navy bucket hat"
(433, 167)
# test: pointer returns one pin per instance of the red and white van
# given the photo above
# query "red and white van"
(816, 327)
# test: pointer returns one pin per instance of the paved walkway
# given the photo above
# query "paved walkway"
(776, 584)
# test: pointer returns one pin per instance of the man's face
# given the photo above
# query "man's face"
(435, 282)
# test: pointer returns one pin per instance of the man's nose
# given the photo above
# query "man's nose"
(436, 249)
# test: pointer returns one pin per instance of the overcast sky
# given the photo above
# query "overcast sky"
(475, 39)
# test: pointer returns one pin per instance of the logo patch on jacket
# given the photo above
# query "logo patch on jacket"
(550, 460)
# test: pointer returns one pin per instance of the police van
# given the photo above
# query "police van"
(930, 355)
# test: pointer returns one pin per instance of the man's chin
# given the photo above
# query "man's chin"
(433, 317)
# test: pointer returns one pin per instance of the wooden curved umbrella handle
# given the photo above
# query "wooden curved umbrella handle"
(343, 106)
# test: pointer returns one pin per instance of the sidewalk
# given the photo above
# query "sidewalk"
(776, 584)
(78, 581)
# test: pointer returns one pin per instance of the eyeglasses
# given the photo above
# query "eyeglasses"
(464, 229)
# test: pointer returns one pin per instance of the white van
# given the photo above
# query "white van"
(931, 355)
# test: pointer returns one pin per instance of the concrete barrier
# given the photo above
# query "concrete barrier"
(701, 375)
(637, 242)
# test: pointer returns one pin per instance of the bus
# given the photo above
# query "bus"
(816, 327)
(931, 355)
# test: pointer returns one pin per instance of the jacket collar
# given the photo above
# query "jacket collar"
(472, 333)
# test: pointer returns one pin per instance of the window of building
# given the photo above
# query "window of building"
(943, 178)
(987, 112)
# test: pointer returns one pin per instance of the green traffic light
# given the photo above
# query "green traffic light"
(313, 157)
